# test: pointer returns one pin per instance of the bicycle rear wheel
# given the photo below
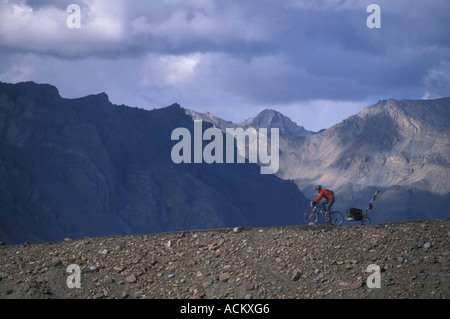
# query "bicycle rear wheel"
(310, 217)
(336, 218)
(366, 221)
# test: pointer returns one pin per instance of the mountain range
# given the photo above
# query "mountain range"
(265, 119)
(86, 167)
(401, 148)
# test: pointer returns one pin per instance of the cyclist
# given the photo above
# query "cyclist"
(329, 200)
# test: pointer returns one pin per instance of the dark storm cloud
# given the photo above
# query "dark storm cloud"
(217, 55)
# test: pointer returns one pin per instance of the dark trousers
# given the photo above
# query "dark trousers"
(327, 205)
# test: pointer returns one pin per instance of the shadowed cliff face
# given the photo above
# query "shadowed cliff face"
(85, 167)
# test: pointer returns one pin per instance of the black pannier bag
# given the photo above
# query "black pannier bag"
(356, 213)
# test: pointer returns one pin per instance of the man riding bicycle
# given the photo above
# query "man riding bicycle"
(329, 200)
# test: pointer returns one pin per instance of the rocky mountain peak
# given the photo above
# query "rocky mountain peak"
(269, 118)
(411, 114)
(398, 146)
(29, 89)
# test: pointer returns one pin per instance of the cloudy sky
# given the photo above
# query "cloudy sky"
(314, 60)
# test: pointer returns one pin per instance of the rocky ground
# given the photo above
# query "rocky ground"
(280, 262)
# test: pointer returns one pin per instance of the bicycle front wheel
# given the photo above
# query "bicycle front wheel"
(336, 218)
(310, 217)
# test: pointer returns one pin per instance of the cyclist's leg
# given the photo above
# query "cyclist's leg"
(324, 206)
(330, 203)
(325, 209)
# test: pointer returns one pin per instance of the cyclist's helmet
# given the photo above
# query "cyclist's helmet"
(318, 188)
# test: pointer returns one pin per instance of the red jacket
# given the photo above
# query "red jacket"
(324, 193)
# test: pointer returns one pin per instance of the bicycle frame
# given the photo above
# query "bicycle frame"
(314, 210)
(334, 217)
